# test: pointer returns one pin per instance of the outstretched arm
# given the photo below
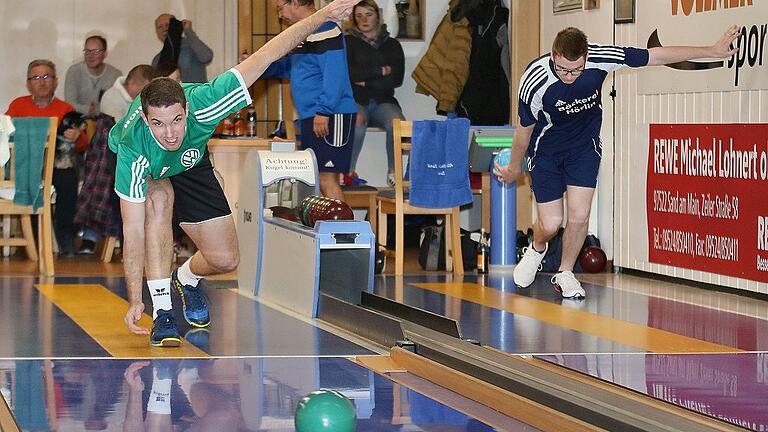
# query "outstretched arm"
(133, 261)
(252, 67)
(673, 54)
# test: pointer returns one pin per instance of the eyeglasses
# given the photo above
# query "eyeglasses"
(93, 51)
(45, 77)
(280, 8)
(573, 72)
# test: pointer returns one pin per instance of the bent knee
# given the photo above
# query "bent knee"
(159, 202)
(224, 262)
(550, 226)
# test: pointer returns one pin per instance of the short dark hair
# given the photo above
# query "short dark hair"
(101, 39)
(162, 92)
(570, 43)
(306, 2)
(143, 72)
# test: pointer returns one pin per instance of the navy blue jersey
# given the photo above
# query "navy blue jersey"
(569, 115)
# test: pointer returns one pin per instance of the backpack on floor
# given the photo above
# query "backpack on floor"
(432, 249)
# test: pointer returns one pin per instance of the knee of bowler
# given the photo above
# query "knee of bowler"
(224, 262)
(160, 201)
(552, 224)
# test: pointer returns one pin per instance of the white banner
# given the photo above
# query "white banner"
(703, 22)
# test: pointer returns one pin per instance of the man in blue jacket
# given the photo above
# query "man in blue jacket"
(322, 93)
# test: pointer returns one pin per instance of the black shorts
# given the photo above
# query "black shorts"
(333, 152)
(198, 194)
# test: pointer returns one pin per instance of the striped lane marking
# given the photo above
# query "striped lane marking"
(100, 312)
(624, 332)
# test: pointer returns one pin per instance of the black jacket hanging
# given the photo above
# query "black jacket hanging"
(172, 43)
(485, 98)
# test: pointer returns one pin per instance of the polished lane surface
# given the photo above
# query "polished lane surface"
(256, 394)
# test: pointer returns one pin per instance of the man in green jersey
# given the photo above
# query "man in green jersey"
(163, 165)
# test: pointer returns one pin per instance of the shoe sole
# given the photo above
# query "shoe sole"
(574, 297)
(167, 343)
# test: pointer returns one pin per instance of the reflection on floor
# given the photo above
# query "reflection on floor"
(230, 394)
(65, 351)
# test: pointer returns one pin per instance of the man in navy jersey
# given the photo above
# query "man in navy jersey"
(560, 112)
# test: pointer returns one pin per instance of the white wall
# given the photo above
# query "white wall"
(56, 30)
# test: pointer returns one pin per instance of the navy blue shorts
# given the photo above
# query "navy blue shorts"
(551, 173)
(333, 151)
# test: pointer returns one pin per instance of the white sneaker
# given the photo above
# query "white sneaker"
(568, 286)
(530, 263)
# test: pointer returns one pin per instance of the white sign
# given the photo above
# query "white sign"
(702, 23)
(281, 165)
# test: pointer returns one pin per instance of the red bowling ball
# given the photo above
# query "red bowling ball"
(592, 259)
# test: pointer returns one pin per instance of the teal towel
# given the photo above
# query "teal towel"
(29, 148)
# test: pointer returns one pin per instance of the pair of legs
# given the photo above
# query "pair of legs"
(573, 170)
(378, 115)
(205, 217)
(550, 219)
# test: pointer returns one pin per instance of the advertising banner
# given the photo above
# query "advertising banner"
(707, 198)
(702, 23)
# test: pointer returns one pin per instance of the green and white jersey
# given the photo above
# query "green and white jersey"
(140, 155)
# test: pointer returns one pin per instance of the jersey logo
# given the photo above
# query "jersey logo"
(329, 164)
(163, 171)
(559, 103)
(189, 158)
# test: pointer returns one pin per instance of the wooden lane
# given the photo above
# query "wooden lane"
(505, 402)
(100, 312)
(624, 332)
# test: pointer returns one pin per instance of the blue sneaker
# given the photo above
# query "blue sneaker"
(164, 332)
(192, 302)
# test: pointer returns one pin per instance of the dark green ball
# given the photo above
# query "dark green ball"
(325, 410)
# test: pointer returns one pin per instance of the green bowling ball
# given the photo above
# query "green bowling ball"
(325, 411)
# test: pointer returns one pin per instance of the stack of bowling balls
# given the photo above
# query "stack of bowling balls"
(316, 208)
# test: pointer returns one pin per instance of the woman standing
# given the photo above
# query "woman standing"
(376, 67)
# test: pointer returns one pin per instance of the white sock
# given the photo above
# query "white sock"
(185, 275)
(160, 291)
(160, 396)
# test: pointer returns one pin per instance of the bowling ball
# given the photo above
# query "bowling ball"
(338, 210)
(502, 158)
(592, 259)
(305, 207)
(284, 213)
(325, 410)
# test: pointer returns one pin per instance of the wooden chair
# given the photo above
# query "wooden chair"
(400, 206)
(45, 222)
